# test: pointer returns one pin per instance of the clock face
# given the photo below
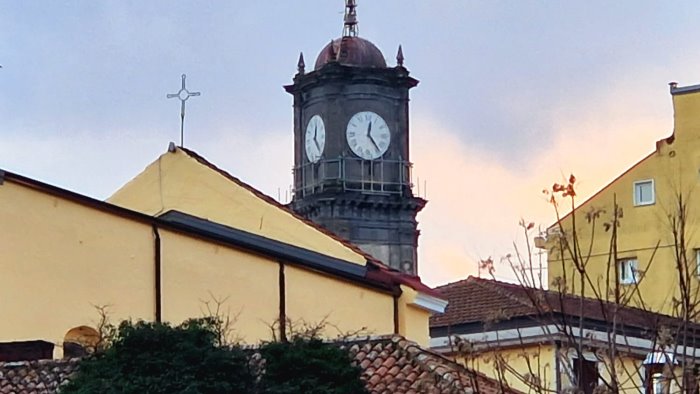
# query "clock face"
(315, 138)
(368, 135)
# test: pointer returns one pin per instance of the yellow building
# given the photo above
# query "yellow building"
(180, 234)
(535, 340)
(640, 260)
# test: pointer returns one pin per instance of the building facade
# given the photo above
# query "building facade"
(637, 238)
(179, 236)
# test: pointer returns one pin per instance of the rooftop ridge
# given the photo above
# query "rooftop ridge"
(481, 292)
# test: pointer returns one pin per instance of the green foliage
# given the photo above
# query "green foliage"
(308, 365)
(158, 358)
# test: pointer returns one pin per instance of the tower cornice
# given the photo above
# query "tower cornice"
(334, 72)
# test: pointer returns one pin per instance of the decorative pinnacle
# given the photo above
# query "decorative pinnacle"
(350, 28)
(301, 65)
(399, 57)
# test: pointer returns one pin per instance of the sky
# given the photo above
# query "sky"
(514, 96)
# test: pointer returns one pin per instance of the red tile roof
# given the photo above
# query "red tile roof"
(476, 300)
(394, 365)
(390, 365)
(35, 377)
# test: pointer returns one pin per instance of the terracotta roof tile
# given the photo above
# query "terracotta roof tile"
(35, 377)
(390, 365)
(477, 300)
(405, 368)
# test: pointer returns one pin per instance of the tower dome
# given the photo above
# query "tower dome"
(351, 51)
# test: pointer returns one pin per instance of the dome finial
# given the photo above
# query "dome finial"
(301, 66)
(350, 28)
(399, 57)
(332, 56)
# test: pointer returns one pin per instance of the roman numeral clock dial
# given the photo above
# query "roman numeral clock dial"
(368, 135)
(315, 138)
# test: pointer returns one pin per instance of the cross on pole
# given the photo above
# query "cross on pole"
(183, 95)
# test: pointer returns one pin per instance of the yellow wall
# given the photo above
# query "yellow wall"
(540, 359)
(312, 298)
(177, 181)
(674, 169)
(537, 360)
(413, 321)
(59, 257)
(195, 272)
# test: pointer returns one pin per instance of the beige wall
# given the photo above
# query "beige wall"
(645, 231)
(195, 272)
(60, 257)
(540, 360)
(535, 360)
(177, 181)
(413, 320)
(313, 298)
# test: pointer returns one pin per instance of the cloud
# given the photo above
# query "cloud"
(476, 198)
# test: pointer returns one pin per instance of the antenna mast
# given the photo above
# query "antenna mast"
(350, 27)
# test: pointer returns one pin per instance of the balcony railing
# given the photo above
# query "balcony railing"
(353, 174)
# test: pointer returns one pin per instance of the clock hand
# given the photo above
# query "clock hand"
(315, 140)
(374, 143)
(369, 135)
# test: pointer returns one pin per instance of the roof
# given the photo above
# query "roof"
(389, 364)
(396, 365)
(476, 301)
(351, 51)
(35, 377)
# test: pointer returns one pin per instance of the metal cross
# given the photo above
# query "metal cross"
(183, 95)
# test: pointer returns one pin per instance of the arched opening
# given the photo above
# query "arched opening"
(80, 341)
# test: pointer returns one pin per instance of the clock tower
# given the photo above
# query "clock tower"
(352, 170)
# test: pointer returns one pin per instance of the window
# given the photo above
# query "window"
(697, 260)
(657, 383)
(659, 371)
(628, 271)
(586, 373)
(644, 192)
(655, 380)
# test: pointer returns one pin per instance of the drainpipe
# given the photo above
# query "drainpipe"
(397, 327)
(157, 274)
(282, 284)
